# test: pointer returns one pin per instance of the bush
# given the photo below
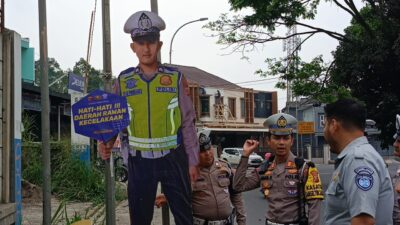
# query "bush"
(71, 179)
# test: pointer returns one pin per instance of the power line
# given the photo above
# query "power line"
(243, 82)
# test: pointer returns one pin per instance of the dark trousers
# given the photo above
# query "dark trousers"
(144, 175)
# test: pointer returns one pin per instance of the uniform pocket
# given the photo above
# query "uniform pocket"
(223, 182)
(199, 186)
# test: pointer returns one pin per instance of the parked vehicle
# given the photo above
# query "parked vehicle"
(233, 155)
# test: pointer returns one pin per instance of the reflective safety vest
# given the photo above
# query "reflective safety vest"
(153, 109)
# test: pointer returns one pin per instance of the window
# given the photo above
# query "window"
(205, 105)
(232, 106)
(242, 108)
(321, 120)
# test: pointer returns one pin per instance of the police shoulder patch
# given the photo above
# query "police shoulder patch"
(364, 179)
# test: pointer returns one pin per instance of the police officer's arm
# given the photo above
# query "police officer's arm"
(237, 201)
(396, 208)
(361, 187)
(313, 193)
(190, 141)
(241, 180)
(363, 219)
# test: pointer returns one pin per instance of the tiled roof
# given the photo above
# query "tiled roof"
(203, 78)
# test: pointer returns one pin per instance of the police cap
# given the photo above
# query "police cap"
(204, 140)
(144, 25)
(281, 124)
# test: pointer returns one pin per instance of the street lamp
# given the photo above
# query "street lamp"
(173, 36)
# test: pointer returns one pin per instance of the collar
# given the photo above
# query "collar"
(350, 147)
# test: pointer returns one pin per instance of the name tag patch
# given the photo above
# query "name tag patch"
(166, 89)
(364, 179)
(133, 92)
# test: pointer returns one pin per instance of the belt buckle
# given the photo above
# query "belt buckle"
(217, 222)
(198, 221)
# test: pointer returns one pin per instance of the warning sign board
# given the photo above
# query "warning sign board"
(305, 127)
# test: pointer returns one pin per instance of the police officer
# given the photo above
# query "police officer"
(396, 178)
(213, 199)
(161, 141)
(289, 184)
(360, 191)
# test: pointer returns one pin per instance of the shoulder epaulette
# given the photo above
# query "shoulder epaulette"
(225, 162)
(299, 162)
(358, 153)
(130, 69)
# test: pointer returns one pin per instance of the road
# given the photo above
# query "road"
(256, 206)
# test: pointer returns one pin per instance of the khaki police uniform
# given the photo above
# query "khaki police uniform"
(281, 182)
(213, 198)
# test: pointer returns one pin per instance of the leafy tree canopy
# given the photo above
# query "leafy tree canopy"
(366, 62)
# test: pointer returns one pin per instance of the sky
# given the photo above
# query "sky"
(68, 28)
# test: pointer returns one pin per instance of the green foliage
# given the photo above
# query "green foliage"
(370, 67)
(29, 132)
(95, 80)
(71, 179)
(54, 73)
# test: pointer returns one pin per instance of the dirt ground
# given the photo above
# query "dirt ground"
(32, 210)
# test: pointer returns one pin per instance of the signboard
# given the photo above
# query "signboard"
(100, 115)
(305, 127)
(76, 82)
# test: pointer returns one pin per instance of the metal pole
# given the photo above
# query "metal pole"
(110, 182)
(44, 89)
(173, 36)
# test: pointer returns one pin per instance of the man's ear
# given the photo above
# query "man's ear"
(133, 46)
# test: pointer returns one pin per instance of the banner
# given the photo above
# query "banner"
(100, 115)
(76, 82)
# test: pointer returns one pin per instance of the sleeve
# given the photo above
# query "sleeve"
(190, 141)
(361, 187)
(314, 211)
(237, 201)
(313, 194)
(396, 209)
(243, 181)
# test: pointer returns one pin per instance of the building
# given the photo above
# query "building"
(310, 143)
(231, 112)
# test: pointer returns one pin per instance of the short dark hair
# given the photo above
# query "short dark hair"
(350, 112)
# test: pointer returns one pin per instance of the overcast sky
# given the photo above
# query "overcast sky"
(68, 28)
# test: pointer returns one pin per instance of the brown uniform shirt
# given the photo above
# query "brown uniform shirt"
(282, 191)
(211, 197)
(396, 189)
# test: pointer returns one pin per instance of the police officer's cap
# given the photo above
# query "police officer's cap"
(397, 134)
(204, 140)
(144, 25)
(281, 124)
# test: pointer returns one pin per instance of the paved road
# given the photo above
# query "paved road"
(256, 205)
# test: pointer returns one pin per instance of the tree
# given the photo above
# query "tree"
(370, 66)
(54, 73)
(366, 63)
(82, 68)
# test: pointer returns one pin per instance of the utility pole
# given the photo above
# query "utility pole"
(110, 182)
(164, 209)
(44, 89)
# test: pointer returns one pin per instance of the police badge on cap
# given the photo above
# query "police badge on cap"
(144, 23)
(281, 124)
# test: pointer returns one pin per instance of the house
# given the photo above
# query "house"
(231, 112)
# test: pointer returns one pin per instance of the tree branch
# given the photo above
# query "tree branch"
(359, 18)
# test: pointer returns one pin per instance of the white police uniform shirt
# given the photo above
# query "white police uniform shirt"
(360, 184)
